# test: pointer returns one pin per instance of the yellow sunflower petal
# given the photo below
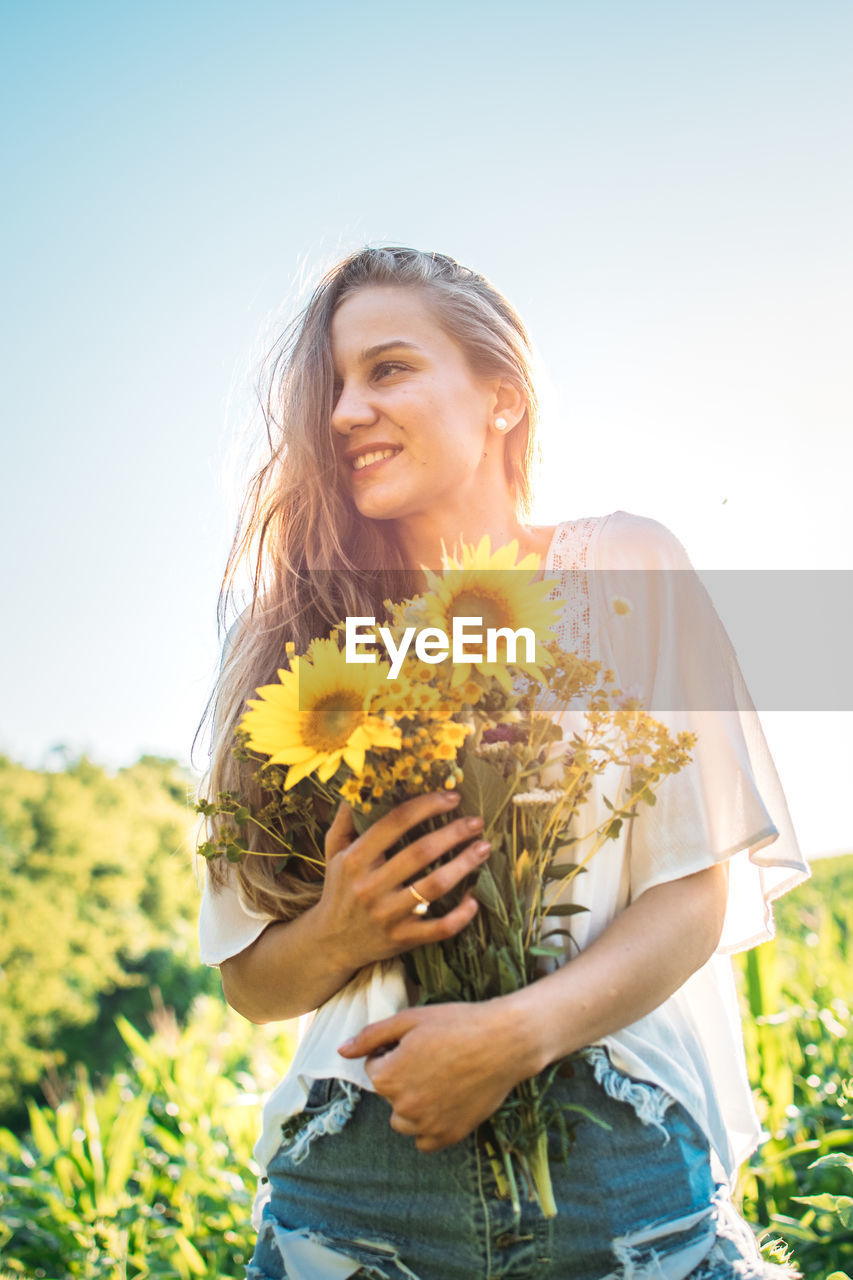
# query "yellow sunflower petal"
(316, 711)
(354, 757)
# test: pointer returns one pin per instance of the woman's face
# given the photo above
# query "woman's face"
(411, 420)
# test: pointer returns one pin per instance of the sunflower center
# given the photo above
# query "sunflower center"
(332, 720)
(492, 607)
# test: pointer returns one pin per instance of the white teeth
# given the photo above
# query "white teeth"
(365, 459)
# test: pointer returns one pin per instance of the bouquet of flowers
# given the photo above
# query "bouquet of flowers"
(342, 723)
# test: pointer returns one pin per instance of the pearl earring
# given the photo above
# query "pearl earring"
(501, 424)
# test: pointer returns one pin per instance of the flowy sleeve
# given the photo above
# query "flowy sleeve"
(226, 925)
(667, 646)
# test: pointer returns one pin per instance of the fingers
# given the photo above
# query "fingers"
(423, 1142)
(400, 1125)
(433, 1144)
(409, 862)
(371, 847)
(341, 831)
(415, 931)
(378, 1035)
(369, 893)
(447, 876)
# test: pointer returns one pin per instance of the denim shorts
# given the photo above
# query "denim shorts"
(350, 1197)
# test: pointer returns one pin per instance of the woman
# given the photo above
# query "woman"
(402, 414)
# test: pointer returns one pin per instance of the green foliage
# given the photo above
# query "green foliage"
(798, 994)
(146, 1177)
(149, 1173)
(97, 895)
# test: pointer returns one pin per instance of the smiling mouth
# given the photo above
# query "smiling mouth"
(374, 456)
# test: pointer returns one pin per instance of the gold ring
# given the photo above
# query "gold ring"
(422, 904)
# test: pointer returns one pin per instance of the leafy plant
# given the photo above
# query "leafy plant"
(146, 1178)
(798, 998)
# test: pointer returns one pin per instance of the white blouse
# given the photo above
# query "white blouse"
(727, 805)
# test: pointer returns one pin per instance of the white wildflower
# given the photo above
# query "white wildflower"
(539, 795)
(494, 750)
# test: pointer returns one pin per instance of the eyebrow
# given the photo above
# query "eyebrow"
(370, 352)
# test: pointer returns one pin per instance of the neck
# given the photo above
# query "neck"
(421, 537)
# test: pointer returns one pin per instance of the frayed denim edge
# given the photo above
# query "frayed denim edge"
(649, 1102)
(308, 1255)
(638, 1258)
(329, 1121)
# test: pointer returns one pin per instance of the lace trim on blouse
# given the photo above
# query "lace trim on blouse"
(569, 560)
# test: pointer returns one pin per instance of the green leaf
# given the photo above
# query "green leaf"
(43, 1135)
(483, 790)
(754, 985)
(486, 893)
(123, 1143)
(435, 973)
(509, 976)
(134, 1041)
(64, 1170)
(190, 1254)
(558, 871)
(564, 838)
(840, 1205)
(565, 909)
(834, 1158)
(558, 933)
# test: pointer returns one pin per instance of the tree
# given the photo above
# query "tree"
(97, 896)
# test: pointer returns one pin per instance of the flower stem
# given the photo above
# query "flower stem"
(540, 1171)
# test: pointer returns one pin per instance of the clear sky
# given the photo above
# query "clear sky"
(662, 189)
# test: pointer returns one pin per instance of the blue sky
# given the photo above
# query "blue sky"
(663, 190)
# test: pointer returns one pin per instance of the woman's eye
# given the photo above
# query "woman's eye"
(386, 367)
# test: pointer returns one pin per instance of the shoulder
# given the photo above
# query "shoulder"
(620, 540)
(628, 541)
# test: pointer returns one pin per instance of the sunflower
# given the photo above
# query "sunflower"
(505, 594)
(319, 714)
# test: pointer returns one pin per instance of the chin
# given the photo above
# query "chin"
(380, 507)
(372, 510)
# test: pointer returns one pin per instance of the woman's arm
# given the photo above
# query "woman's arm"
(645, 954)
(364, 913)
(451, 1066)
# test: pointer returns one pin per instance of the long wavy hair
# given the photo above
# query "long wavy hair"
(313, 559)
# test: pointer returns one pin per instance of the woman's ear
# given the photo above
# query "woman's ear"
(508, 407)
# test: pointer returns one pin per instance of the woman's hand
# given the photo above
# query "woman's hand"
(365, 912)
(366, 909)
(444, 1068)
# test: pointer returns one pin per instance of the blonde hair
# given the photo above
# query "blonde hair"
(313, 558)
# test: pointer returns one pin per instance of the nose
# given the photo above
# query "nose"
(352, 409)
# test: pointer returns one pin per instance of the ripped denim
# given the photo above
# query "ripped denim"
(349, 1197)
